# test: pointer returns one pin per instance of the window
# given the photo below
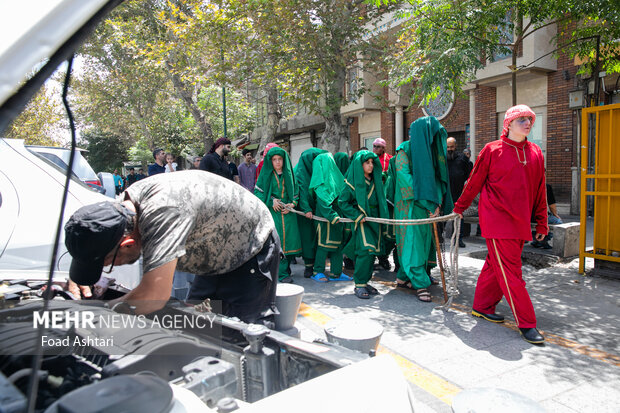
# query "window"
(506, 36)
(352, 85)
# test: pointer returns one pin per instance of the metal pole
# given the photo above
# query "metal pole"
(224, 98)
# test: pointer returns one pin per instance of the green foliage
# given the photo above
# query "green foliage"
(140, 152)
(239, 112)
(41, 122)
(445, 42)
(106, 151)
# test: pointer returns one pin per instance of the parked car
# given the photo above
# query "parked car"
(29, 210)
(107, 181)
(81, 167)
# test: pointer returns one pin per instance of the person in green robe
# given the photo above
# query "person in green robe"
(422, 190)
(277, 188)
(363, 196)
(342, 162)
(390, 188)
(326, 184)
(307, 232)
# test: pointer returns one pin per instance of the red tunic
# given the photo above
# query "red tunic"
(385, 161)
(510, 177)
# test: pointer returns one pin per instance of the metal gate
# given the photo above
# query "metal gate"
(600, 182)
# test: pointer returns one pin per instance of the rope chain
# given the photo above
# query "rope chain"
(451, 271)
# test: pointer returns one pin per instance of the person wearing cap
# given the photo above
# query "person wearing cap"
(191, 221)
(509, 174)
(215, 161)
(160, 159)
(378, 147)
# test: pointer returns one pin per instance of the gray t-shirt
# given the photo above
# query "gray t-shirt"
(211, 224)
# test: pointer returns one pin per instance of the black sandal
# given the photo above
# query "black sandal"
(361, 292)
(371, 290)
(424, 295)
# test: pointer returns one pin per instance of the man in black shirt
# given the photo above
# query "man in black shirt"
(131, 177)
(214, 161)
(158, 167)
(459, 169)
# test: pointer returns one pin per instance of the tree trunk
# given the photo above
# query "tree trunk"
(514, 77)
(188, 99)
(334, 139)
(274, 115)
(515, 52)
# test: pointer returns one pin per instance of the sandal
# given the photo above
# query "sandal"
(371, 290)
(320, 278)
(361, 292)
(341, 277)
(424, 295)
(287, 280)
(433, 281)
(405, 286)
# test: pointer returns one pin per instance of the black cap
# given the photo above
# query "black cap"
(90, 234)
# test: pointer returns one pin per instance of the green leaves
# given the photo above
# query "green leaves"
(445, 42)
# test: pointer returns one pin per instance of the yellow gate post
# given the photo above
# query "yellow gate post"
(606, 178)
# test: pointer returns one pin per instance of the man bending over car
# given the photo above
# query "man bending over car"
(193, 221)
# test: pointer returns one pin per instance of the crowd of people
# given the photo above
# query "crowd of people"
(240, 239)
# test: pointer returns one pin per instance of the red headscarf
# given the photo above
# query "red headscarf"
(514, 113)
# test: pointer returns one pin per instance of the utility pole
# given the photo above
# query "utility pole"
(224, 98)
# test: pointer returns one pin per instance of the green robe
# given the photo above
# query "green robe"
(421, 185)
(303, 175)
(271, 186)
(342, 162)
(326, 184)
(361, 198)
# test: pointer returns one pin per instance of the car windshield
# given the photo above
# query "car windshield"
(80, 165)
(59, 165)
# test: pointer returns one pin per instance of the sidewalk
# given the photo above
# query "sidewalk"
(577, 370)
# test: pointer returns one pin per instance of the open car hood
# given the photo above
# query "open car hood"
(36, 36)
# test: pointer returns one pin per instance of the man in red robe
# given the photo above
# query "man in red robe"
(510, 176)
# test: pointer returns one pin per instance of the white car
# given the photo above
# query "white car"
(31, 188)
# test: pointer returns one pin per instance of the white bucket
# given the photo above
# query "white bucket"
(288, 300)
(355, 333)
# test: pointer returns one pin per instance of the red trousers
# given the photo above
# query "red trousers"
(500, 277)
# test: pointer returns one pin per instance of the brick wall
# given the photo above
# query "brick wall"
(388, 131)
(486, 117)
(409, 116)
(561, 147)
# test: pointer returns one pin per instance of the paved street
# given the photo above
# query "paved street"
(442, 353)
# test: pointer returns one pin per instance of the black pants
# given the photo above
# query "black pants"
(247, 292)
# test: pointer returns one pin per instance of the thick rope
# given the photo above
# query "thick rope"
(451, 271)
